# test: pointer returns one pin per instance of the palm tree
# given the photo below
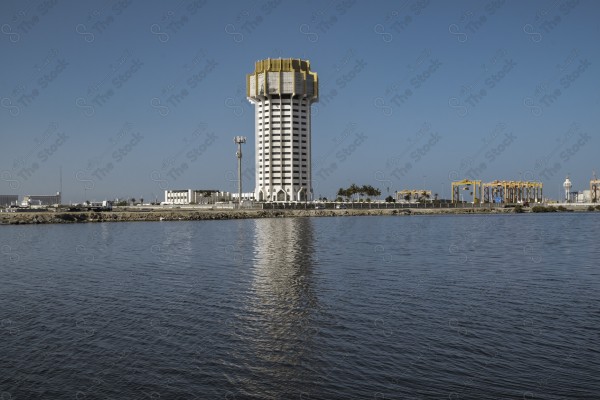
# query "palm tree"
(353, 189)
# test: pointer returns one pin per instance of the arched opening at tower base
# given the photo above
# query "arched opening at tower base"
(282, 196)
(301, 196)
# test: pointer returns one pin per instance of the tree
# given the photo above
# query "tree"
(390, 199)
(353, 189)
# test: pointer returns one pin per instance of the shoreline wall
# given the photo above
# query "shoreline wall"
(203, 215)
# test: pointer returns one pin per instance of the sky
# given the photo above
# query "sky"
(128, 98)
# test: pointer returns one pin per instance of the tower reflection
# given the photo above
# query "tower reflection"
(280, 318)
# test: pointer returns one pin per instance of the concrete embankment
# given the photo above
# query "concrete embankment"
(198, 215)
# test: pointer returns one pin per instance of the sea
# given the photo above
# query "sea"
(384, 307)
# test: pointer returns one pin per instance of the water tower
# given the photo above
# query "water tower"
(282, 91)
(567, 186)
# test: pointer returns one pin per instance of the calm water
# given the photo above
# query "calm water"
(445, 307)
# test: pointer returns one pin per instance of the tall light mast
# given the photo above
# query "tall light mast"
(239, 140)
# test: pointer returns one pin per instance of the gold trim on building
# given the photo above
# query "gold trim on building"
(280, 65)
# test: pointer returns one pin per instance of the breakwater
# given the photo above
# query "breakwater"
(199, 215)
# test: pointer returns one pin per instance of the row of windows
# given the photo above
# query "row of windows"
(275, 114)
(274, 141)
(284, 134)
(279, 174)
(283, 180)
(270, 111)
(286, 102)
(296, 147)
(275, 123)
(279, 143)
(284, 159)
(296, 183)
(288, 169)
(279, 129)
(285, 175)
(274, 153)
(286, 166)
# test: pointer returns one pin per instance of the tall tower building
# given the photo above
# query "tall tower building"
(282, 91)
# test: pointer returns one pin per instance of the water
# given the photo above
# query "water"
(447, 307)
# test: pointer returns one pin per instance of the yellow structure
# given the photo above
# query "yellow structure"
(413, 194)
(595, 189)
(277, 76)
(466, 184)
(512, 192)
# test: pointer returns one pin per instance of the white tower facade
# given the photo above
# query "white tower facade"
(567, 186)
(282, 91)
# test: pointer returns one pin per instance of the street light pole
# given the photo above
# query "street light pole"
(239, 140)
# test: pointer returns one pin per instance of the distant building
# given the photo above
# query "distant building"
(586, 196)
(43, 200)
(195, 196)
(245, 196)
(8, 199)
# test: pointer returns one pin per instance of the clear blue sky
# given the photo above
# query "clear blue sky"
(131, 97)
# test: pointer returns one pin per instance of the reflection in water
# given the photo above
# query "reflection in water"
(279, 320)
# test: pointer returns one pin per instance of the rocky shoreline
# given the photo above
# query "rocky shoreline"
(47, 217)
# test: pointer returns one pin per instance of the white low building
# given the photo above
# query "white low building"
(245, 196)
(195, 196)
(43, 200)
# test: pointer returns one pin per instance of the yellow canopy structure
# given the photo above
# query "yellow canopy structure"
(466, 184)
